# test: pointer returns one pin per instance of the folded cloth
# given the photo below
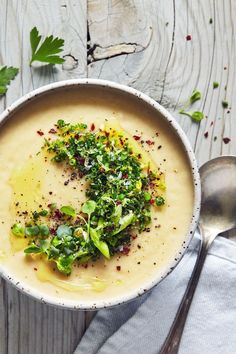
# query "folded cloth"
(141, 326)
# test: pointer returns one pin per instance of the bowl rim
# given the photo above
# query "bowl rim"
(91, 305)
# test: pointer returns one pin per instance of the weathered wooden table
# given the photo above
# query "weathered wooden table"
(165, 48)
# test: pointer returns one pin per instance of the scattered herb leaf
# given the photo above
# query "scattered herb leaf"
(48, 50)
(195, 116)
(225, 104)
(6, 75)
(215, 85)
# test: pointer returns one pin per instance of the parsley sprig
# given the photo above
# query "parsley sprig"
(46, 51)
(6, 75)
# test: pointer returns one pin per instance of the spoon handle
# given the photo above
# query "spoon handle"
(172, 342)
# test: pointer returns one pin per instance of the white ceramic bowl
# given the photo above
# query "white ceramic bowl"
(174, 126)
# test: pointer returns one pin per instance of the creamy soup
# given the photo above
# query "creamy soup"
(25, 178)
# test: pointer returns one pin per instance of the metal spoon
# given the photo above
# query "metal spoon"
(218, 214)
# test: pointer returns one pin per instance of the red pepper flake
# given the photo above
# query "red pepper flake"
(125, 176)
(188, 37)
(40, 133)
(136, 137)
(53, 231)
(226, 140)
(157, 134)
(92, 127)
(149, 142)
(52, 131)
(138, 246)
(125, 250)
(118, 268)
(57, 214)
(206, 135)
(36, 269)
(152, 201)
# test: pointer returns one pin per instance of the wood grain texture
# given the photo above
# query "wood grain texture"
(141, 43)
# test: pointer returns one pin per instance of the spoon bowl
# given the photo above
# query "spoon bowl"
(218, 181)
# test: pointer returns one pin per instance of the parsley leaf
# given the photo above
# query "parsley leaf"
(48, 49)
(6, 75)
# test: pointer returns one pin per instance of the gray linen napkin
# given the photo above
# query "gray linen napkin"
(141, 326)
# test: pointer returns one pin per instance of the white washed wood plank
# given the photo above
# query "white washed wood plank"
(27, 326)
(169, 67)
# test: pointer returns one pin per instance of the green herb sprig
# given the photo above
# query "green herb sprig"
(7, 73)
(48, 49)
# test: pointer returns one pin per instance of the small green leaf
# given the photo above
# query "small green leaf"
(124, 222)
(215, 85)
(68, 210)
(32, 249)
(64, 230)
(44, 245)
(89, 207)
(159, 201)
(31, 231)
(18, 230)
(43, 230)
(6, 75)
(101, 245)
(196, 95)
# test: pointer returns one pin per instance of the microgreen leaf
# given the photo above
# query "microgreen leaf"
(6, 75)
(32, 249)
(101, 245)
(215, 85)
(48, 49)
(31, 231)
(196, 116)
(89, 207)
(18, 230)
(68, 210)
(196, 95)
(43, 230)
(64, 264)
(64, 230)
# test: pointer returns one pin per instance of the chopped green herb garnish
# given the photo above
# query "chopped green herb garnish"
(122, 187)
(6, 75)
(160, 201)
(48, 49)
(215, 85)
